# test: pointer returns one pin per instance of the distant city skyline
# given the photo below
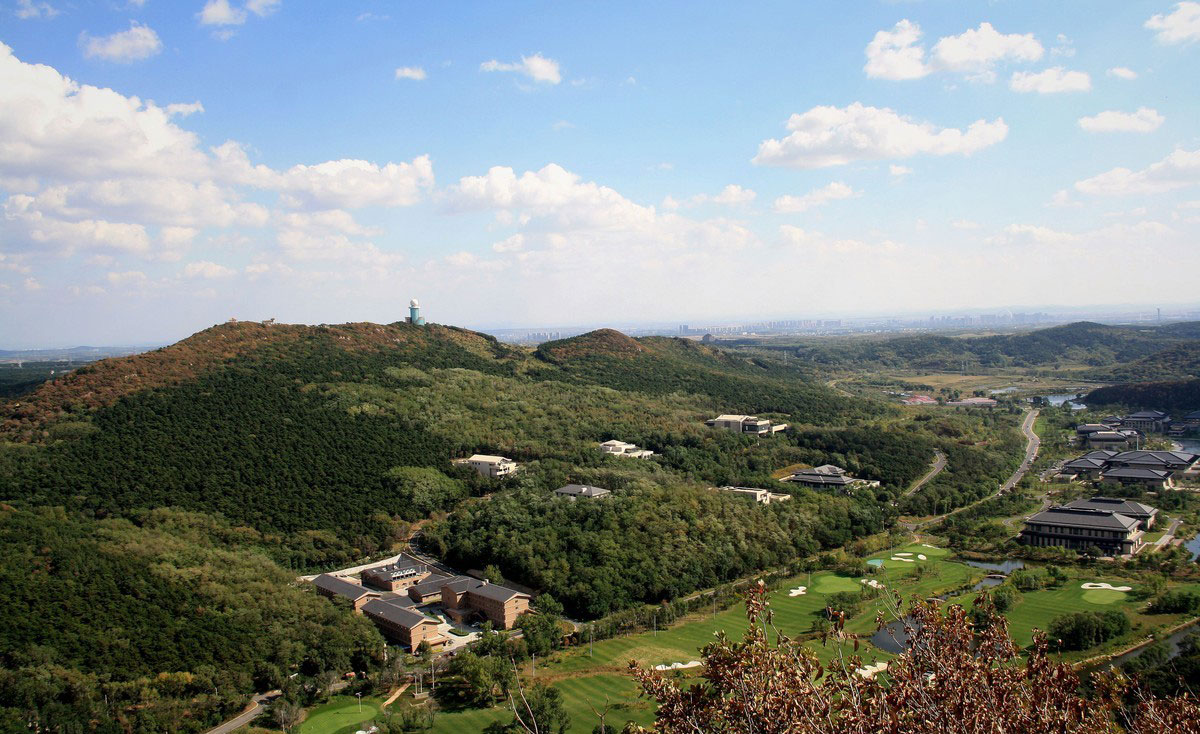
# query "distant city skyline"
(166, 166)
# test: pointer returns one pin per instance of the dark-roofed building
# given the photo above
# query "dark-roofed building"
(333, 587)
(1112, 532)
(1084, 429)
(1172, 461)
(406, 571)
(1144, 514)
(463, 596)
(828, 476)
(1132, 475)
(1152, 421)
(1091, 468)
(572, 491)
(429, 590)
(400, 622)
(1106, 439)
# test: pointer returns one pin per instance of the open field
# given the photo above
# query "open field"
(341, 715)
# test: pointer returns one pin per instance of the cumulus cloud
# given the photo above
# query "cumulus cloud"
(731, 195)
(820, 243)
(897, 53)
(1117, 237)
(137, 43)
(788, 204)
(899, 171)
(225, 16)
(415, 73)
(184, 109)
(1145, 120)
(1051, 81)
(834, 136)
(1122, 72)
(1180, 169)
(1182, 25)
(537, 67)
(207, 270)
(31, 9)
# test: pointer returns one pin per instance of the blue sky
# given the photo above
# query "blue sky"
(167, 165)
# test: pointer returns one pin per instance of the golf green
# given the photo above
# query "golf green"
(832, 584)
(1103, 596)
(342, 713)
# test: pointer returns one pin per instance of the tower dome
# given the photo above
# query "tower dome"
(414, 304)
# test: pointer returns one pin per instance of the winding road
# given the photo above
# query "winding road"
(939, 463)
(257, 704)
(1032, 443)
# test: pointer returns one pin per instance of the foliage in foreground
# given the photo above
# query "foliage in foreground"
(953, 678)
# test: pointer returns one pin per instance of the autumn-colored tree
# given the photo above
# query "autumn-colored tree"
(953, 679)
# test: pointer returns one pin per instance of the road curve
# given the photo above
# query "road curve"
(939, 463)
(257, 704)
(1032, 444)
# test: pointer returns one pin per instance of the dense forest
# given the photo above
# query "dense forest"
(160, 623)
(1096, 351)
(1176, 395)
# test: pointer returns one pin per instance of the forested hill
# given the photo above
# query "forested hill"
(334, 437)
(1091, 346)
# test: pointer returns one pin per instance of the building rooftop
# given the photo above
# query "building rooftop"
(1123, 506)
(431, 584)
(1153, 458)
(341, 587)
(1153, 415)
(1090, 427)
(1085, 464)
(1135, 472)
(735, 417)
(497, 592)
(488, 458)
(395, 612)
(582, 490)
(1076, 518)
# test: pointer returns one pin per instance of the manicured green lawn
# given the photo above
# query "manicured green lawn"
(617, 689)
(341, 715)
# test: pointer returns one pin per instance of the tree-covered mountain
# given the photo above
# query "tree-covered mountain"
(1092, 348)
(1170, 395)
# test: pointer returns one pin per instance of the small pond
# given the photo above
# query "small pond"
(893, 637)
(987, 582)
(1004, 567)
(875, 562)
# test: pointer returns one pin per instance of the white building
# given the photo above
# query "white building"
(492, 466)
(750, 424)
(622, 448)
(760, 496)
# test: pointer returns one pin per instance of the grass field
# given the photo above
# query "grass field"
(341, 715)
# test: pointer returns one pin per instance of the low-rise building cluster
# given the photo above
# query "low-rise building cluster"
(399, 597)
(624, 449)
(755, 494)
(1147, 469)
(747, 424)
(1115, 526)
(1121, 431)
(829, 476)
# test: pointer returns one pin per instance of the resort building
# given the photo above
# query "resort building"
(1175, 462)
(1145, 478)
(1080, 529)
(828, 476)
(573, 491)
(1150, 421)
(750, 424)
(627, 450)
(1144, 514)
(1106, 439)
(492, 466)
(463, 597)
(400, 622)
(974, 403)
(761, 496)
(428, 591)
(406, 571)
(1085, 467)
(333, 587)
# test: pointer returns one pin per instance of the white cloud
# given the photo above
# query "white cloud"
(1122, 72)
(32, 284)
(263, 8)
(207, 270)
(975, 52)
(1065, 47)
(220, 12)
(1181, 26)
(1051, 81)
(1178, 170)
(817, 197)
(415, 73)
(817, 242)
(1062, 200)
(184, 109)
(536, 67)
(833, 136)
(137, 43)
(1114, 237)
(31, 9)
(895, 54)
(899, 171)
(731, 195)
(128, 277)
(1145, 120)
(512, 243)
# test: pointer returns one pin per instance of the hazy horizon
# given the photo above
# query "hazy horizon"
(167, 166)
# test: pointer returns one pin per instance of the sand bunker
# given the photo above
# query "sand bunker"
(1102, 585)
(921, 557)
(906, 560)
(871, 671)
(902, 554)
(798, 591)
(872, 583)
(679, 666)
(926, 545)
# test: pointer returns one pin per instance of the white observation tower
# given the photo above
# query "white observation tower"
(414, 313)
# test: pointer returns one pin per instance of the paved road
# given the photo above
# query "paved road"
(1169, 535)
(939, 463)
(1032, 443)
(257, 704)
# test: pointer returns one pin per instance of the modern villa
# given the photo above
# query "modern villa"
(828, 476)
(748, 424)
(624, 449)
(492, 466)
